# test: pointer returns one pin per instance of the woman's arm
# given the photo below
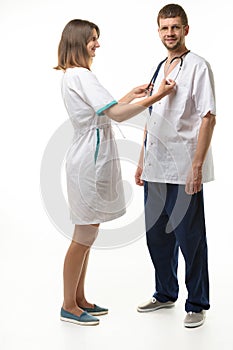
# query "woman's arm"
(138, 92)
(124, 110)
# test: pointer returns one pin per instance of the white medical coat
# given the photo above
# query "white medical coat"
(94, 183)
(174, 124)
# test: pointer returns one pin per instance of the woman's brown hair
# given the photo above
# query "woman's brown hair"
(72, 49)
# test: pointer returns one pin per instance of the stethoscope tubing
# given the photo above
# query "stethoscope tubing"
(158, 68)
(160, 64)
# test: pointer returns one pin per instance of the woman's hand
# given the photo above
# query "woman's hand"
(166, 87)
(142, 91)
(137, 92)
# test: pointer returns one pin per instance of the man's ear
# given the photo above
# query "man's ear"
(186, 30)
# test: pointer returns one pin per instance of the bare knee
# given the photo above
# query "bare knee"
(85, 234)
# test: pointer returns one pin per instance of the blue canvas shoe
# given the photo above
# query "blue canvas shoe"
(96, 310)
(84, 319)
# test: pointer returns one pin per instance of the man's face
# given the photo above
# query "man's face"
(172, 32)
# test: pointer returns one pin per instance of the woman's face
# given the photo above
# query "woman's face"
(93, 44)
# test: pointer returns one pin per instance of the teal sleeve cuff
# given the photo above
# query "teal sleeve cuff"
(100, 111)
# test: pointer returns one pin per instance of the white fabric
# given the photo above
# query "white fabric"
(174, 124)
(94, 184)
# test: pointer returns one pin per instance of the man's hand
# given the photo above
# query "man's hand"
(194, 180)
(138, 174)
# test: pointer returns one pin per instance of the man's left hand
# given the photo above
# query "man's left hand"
(194, 180)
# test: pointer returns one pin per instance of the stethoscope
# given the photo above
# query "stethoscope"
(181, 58)
(160, 64)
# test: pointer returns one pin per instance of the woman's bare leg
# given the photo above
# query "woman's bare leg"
(75, 267)
(80, 293)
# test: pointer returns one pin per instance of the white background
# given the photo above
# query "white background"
(31, 109)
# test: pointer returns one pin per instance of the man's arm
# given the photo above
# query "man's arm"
(139, 169)
(194, 179)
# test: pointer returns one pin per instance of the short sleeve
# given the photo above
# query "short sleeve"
(86, 84)
(204, 90)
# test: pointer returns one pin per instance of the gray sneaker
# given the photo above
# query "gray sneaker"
(153, 305)
(194, 319)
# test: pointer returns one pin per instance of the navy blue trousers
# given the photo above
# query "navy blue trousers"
(176, 220)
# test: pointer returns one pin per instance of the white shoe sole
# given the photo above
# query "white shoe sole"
(194, 325)
(70, 320)
(98, 313)
(155, 308)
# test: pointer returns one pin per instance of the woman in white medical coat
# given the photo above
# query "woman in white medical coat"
(94, 185)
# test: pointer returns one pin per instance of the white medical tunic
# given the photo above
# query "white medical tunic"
(94, 183)
(174, 124)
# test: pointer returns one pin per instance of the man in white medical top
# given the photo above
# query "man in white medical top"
(174, 163)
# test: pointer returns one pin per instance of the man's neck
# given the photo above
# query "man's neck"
(177, 53)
